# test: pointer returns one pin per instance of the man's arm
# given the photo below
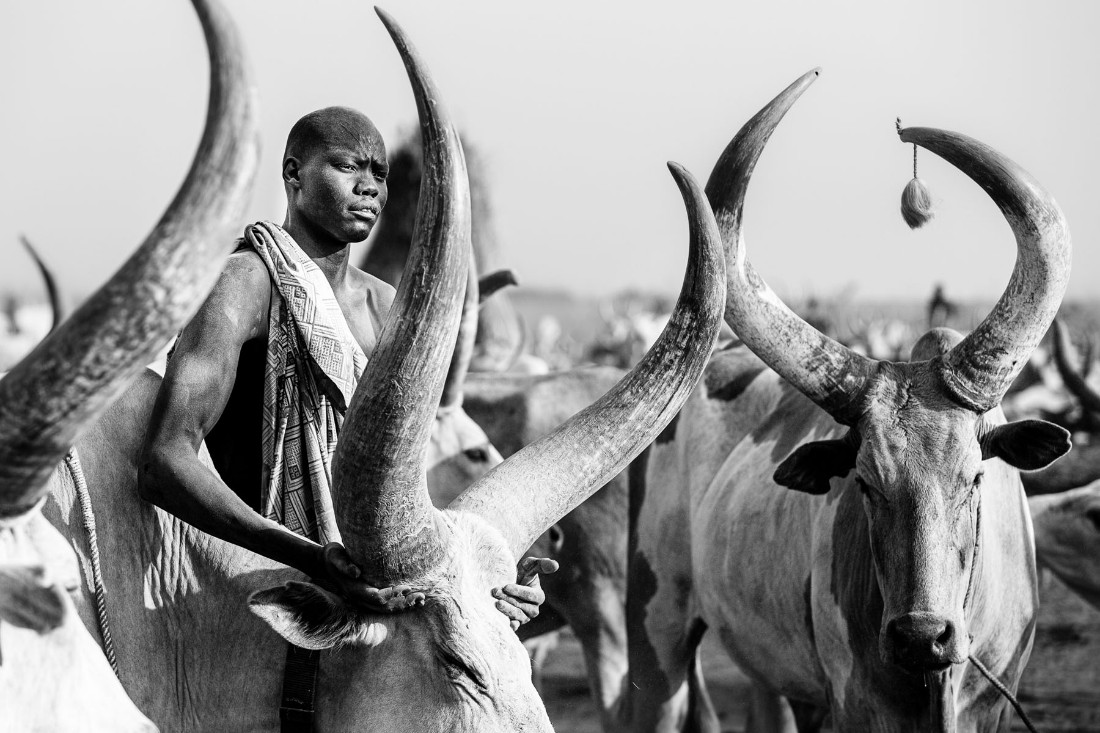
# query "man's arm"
(196, 387)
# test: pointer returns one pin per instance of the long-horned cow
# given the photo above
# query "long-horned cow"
(452, 663)
(53, 676)
(854, 530)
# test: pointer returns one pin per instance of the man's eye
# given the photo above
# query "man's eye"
(346, 167)
(382, 174)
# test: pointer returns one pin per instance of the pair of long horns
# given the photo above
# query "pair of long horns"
(978, 371)
(379, 486)
(85, 364)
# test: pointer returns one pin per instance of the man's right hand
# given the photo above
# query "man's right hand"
(342, 576)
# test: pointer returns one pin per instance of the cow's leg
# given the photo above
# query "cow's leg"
(773, 713)
(601, 630)
(665, 691)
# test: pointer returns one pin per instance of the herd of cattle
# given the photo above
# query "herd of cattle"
(854, 530)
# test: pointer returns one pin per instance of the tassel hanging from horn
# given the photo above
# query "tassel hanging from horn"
(916, 199)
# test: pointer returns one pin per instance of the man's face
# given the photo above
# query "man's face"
(341, 185)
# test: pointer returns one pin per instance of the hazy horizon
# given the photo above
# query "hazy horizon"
(575, 110)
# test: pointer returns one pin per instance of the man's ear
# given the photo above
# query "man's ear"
(291, 175)
(1026, 444)
(308, 616)
(811, 466)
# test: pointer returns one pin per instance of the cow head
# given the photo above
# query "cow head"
(53, 676)
(920, 435)
(446, 659)
(1067, 537)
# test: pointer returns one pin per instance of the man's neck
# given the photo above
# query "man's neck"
(329, 255)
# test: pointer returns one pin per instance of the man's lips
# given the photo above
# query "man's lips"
(368, 214)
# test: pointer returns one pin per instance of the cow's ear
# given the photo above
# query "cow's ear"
(1026, 444)
(811, 466)
(309, 616)
(29, 600)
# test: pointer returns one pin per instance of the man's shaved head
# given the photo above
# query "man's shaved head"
(334, 173)
(326, 128)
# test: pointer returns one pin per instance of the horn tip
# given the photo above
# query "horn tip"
(386, 19)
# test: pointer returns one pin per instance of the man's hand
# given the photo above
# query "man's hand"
(520, 601)
(342, 576)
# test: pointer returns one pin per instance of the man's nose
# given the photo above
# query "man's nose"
(366, 185)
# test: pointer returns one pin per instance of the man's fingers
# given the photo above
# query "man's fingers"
(523, 593)
(515, 617)
(529, 569)
(337, 558)
(522, 598)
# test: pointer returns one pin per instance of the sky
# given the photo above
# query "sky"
(576, 107)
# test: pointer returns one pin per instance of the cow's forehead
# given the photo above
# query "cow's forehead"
(911, 427)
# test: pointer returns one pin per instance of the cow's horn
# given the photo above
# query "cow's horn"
(76, 372)
(830, 374)
(980, 370)
(380, 491)
(57, 309)
(464, 344)
(543, 482)
(1074, 381)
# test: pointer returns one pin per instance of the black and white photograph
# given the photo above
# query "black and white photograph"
(493, 367)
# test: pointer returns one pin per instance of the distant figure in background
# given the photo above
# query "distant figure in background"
(11, 307)
(940, 309)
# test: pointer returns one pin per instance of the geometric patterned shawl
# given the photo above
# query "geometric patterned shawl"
(313, 365)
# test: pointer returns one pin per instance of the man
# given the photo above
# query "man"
(267, 366)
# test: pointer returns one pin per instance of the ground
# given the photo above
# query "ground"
(1060, 690)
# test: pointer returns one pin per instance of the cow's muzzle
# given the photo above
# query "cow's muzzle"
(923, 642)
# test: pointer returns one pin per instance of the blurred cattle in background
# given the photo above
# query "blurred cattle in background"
(1081, 416)
(630, 324)
(1067, 538)
(502, 334)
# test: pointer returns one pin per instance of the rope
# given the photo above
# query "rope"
(72, 460)
(1004, 691)
(897, 126)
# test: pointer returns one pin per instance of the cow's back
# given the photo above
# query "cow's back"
(190, 654)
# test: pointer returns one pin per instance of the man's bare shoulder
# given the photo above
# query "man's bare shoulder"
(377, 292)
(238, 305)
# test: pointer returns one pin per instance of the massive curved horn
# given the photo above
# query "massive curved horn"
(980, 370)
(827, 372)
(1074, 381)
(464, 344)
(542, 483)
(75, 373)
(57, 311)
(379, 484)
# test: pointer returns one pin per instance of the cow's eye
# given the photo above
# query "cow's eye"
(977, 482)
(477, 455)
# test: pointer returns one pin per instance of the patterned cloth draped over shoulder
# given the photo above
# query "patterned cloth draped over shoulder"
(313, 365)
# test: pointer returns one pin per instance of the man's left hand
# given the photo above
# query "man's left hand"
(520, 601)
